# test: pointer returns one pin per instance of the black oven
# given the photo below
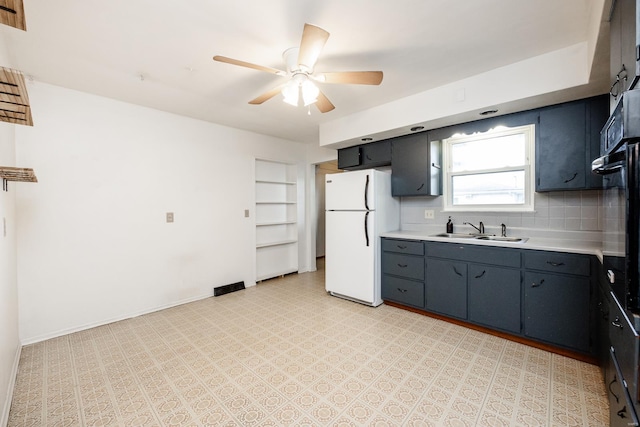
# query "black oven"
(620, 167)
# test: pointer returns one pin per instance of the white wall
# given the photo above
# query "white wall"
(93, 243)
(9, 341)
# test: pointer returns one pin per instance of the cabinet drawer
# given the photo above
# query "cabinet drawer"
(475, 253)
(557, 262)
(410, 266)
(403, 246)
(403, 291)
(624, 341)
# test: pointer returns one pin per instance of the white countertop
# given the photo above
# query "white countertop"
(562, 243)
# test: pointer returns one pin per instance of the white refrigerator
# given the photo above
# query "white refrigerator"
(358, 207)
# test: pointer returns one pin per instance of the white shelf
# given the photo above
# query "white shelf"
(264, 181)
(275, 203)
(280, 243)
(267, 224)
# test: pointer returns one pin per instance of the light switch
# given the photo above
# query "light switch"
(169, 216)
(429, 214)
(246, 213)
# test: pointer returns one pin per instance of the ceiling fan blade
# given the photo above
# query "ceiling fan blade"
(323, 103)
(313, 40)
(352, 77)
(267, 95)
(248, 65)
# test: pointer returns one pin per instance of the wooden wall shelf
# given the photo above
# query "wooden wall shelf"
(14, 100)
(12, 14)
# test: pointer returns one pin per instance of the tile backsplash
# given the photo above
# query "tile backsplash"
(559, 210)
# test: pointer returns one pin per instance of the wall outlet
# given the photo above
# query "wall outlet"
(429, 214)
(169, 216)
(246, 213)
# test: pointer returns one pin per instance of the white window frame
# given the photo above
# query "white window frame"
(528, 168)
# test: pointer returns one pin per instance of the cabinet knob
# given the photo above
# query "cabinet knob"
(420, 188)
(402, 265)
(402, 291)
(401, 247)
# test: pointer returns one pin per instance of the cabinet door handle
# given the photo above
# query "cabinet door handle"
(481, 274)
(572, 178)
(555, 264)
(617, 82)
(435, 166)
(402, 265)
(615, 379)
(622, 412)
(401, 247)
(617, 323)
(402, 291)
(420, 188)
(455, 270)
(535, 285)
(367, 157)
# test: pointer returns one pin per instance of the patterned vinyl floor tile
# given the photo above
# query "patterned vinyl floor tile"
(285, 353)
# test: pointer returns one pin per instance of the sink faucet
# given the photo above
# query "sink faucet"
(504, 230)
(480, 228)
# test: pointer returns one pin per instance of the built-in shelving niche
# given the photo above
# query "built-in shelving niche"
(14, 100)
(276, 219)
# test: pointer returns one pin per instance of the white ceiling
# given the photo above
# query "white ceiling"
(104, 47)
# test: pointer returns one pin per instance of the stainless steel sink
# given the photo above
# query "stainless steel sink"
(503, 239)
(455, 235)
(481, 237)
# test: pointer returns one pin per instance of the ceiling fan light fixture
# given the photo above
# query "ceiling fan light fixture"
(291, 93)
(310, 92)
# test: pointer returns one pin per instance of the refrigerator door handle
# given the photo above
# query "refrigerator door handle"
(366, 195)
(366, 228)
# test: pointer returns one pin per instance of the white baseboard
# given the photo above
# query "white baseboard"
(44, 337)
(4, 416)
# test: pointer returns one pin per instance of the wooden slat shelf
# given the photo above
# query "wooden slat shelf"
(14, 100)
(17, 174)
(12, 14)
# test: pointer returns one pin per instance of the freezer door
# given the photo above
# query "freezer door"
(350, 191)
(350, 269)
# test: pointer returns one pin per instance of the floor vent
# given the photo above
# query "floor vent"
(221, 290)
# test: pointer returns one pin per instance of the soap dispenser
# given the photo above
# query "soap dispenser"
(449, 226)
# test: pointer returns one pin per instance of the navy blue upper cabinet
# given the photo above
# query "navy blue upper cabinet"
(372, 155)
(622, 31)
(415, 166)
(568, 140)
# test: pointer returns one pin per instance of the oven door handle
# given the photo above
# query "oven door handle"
(611, 163)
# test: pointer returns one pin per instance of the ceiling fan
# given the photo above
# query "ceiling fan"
(300, 63)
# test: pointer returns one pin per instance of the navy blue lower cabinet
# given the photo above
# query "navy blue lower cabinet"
(494, 297)
(556, 309)
(446, 285)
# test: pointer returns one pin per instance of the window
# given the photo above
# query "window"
(490, 171)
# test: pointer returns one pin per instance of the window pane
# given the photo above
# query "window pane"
(489, 153)
(504, 188)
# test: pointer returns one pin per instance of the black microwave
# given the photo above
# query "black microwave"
(623, 124)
